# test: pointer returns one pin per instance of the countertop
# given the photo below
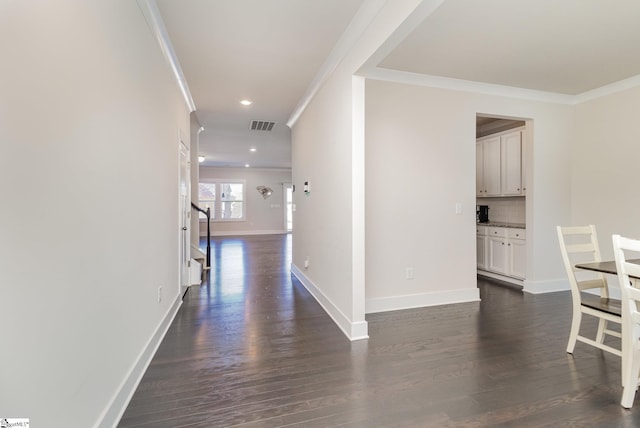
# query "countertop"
(503, 224)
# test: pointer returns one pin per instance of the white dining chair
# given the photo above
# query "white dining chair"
(579, 244)
(630, 316)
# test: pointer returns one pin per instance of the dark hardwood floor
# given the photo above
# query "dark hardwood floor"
(252, 348)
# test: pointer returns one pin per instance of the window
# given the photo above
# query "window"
(224, 198)
(231, 201)
(207, 196)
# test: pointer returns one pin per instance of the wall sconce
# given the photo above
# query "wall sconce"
(265, 191)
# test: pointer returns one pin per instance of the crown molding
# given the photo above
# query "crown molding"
(465, 85)
(612, 88)
(350, 36)
(422, 11)
(417, 79)
(154, 20)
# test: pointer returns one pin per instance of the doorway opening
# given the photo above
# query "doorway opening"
(288, 207)
(502, 157)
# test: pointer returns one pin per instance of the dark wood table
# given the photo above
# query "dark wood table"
(608, 266)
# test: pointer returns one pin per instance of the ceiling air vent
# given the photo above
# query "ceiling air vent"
(261, 125)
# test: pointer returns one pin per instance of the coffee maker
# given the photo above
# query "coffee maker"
(482, 213)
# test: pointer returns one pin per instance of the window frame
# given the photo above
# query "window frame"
(216, 215)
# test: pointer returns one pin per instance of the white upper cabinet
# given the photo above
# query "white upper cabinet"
(492, 166)
(479, 168)
(510, 165)
(523, 164)
(499, 165)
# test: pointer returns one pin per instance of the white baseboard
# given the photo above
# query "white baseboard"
(244, 232)
(547, 286)
(353, 330)
(118, 404)
(410, 301)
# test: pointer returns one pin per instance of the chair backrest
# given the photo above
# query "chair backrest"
(626, 270)
(579, 244)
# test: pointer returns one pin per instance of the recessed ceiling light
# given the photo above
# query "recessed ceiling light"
(246, 165)
(200, 159)
(252, 149)
(246, 102)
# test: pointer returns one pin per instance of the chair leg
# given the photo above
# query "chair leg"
(575, 328)
(630, 380)
(602, 325)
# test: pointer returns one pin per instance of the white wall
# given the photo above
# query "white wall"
(89, 118)
(328, 221)
(605, 163)
(420, 160)
(263, 216)
(322, 220)
(421, 144)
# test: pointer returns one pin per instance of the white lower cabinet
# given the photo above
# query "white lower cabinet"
(498, 255)
(481, 247)
(502, 251)
(517, 258)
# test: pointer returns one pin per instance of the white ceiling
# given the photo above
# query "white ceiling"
(269, 51)
(567, 47)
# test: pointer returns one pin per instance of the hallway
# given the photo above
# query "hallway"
(252, 348)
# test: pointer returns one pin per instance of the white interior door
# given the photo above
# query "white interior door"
(185, 214)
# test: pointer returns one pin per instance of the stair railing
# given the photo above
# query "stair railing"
(206, 212)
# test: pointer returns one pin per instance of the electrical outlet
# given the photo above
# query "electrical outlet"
(408, 272)
(306, 262)
(159, 294)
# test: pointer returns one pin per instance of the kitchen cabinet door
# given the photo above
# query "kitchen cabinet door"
(479, 168)
(510, 164)
(492, 165)
(481, 251)
(498, 255)
(517, 258)
(523, 162)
